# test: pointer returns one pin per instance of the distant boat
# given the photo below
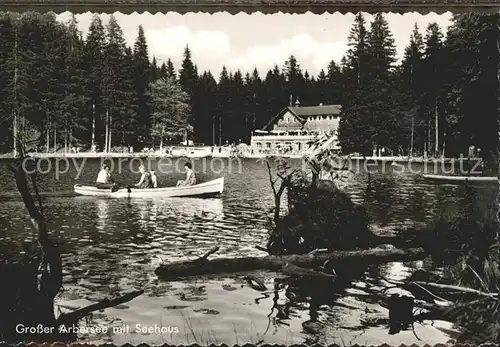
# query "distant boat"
(192, 152)
(205, 190)
(255, 155)
(460, 179)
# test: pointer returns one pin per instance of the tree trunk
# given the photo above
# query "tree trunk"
(161, 139)
(23, 134)
(93, 127)
(436, 148)
(47, 138)
(55, 140)
(358, 80)
(444, 144)
(429, 135)
(66, 139)
(15, 96)
(109, 128)
(425, 146)
(107, 132)
(220, 131)
(277, 263)
(30, 298)
(213, 131)
(412, 130)
(15, 133)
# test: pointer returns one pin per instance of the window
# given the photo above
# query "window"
(268, 144)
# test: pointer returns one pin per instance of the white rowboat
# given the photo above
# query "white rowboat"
(192, 152)
(461, 179)
(202, 190)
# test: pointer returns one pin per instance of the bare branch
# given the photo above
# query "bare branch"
(73, 317)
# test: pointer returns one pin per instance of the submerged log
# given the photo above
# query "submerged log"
(277, 263)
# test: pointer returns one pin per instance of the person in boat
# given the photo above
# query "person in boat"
(154, 180)
(145, 181)
(104, 179)
(190, 177)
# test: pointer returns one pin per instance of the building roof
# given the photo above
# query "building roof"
(302, 112)
(322, 110)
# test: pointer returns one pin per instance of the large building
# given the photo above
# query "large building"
(295, 128)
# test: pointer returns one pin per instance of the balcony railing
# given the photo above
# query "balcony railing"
(292, 133)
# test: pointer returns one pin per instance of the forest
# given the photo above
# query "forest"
(65, 89)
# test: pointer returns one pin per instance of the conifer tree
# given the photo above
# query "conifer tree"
(141, 78)
(95, 58)
(59, 88)
(170, 69)
(357, 53)
(472, 106)
(433, 98)
(322, 88)
(78, 125)
(369, 121)
(188, 78)
(223, 105)
(294, 78)
(335, 90)
(207, 98)
(154, 70)
(10, 85)
(163, 71)
(410, 79)
(114, 84)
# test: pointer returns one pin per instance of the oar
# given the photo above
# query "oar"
(115, 188)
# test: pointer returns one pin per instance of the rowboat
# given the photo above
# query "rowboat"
(191, 152)
(461, 179)
(202, 190)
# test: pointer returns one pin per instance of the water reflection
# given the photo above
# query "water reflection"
(113, 245)
(102, 215)
(186, 210)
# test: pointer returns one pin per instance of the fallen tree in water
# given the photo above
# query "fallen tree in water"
(325, 234)
(319, 263)
(320, 217)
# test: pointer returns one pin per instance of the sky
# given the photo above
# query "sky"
(245, 42)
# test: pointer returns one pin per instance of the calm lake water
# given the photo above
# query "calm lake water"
(111, 246)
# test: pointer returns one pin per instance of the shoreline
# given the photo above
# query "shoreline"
(99, 155)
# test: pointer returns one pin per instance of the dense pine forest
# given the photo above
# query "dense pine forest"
(68, 90)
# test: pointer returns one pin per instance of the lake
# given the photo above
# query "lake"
(111, 246)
